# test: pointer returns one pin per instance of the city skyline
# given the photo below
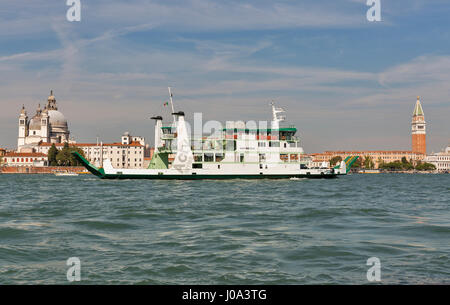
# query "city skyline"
(347, 83)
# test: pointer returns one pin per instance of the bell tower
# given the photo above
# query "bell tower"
(418, 129)
(23, 128)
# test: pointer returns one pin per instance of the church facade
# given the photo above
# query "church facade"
(48, 125)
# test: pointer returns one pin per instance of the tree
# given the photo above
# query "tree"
(335, 160)
(406, 164)
(368, 162)
(425, 166)
(52, 152)
(73, 160)
(63, 156)
(396, 165)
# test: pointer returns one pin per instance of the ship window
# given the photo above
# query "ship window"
(219, 157)
(231, 145)
(261, 144)
(22, 122)
(209, 158)
(274, 144)
(198, 158)
(262, 157)
(197, 165)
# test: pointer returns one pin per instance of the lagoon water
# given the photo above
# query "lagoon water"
(225, 232)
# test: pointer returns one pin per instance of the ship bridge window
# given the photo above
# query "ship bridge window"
(274, 144)
(198, 158)
(209, 157)
(167, 130)
(219, 157)
(231, 145)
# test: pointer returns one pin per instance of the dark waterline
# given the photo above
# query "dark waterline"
(225, 232)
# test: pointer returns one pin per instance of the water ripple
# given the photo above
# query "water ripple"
(225, 232)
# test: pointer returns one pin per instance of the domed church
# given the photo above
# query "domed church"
(48, 125)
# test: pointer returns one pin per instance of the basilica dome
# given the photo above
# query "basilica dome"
(57, 119)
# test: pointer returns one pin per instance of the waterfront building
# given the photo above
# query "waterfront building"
(25, 159)
(129, 153)
(441, 160)
(377, 156)
(48, 125)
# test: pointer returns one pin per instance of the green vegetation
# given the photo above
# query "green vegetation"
(425, 166)
(396, 165)
(52, 152)
(335, 160)
(63, 157)
(405, 165)
(368, 162)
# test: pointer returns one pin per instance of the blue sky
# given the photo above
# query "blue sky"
(347, 83)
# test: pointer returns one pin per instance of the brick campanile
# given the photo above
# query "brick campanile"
(418, 129)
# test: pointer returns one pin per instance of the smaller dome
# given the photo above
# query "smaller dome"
(35, 123)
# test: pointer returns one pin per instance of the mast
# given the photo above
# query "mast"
(171, 104)
(101, 154)
(275, 118)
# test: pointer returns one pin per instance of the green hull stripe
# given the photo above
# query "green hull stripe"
(99, 172)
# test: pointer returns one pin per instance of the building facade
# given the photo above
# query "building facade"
(48, 125)
(441, 160)
(125, 154)
(25, 159)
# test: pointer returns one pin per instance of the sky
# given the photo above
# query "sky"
(345, 82)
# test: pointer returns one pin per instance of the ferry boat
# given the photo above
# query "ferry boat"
(236, 151)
